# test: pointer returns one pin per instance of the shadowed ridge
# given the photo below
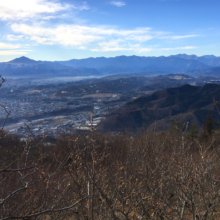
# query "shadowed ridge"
(188, 103)
(160, 94)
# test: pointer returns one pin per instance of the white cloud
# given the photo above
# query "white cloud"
(11, 52)
(26, 9)
(68, 35)
(8, 46)
(76, 35)
(82, 47)
(113, 45)
(141, 38)
(179, 48)
(185, 36)
(177, 37)
(12, 37)
(111, 49)
(116, 45)
(118, 4)
(141, 50)
(25, 50)
(94, 38)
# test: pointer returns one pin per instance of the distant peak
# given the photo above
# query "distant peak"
(209, 56)
(23, 59)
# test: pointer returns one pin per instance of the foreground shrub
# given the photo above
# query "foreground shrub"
(104, 176)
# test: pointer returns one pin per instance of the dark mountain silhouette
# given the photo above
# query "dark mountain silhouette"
(187, 103)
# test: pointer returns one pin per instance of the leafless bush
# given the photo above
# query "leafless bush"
(102, 176)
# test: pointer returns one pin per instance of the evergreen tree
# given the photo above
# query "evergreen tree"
(209, 124)
(192, 131)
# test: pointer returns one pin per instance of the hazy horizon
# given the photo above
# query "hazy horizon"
(108, 57)
(66, 29)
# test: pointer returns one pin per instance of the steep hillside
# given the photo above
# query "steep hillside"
(188, 103)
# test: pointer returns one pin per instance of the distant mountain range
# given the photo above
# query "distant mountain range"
(25, 67)
(181, 63)
(209, 60)
(187, 103)
(131, 64)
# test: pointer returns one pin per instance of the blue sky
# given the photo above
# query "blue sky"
(67, 29)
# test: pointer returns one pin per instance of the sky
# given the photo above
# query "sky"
(72, 29)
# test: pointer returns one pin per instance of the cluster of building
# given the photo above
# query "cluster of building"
(47, 112)
(55, 126)
(25, 108)
(77, 120)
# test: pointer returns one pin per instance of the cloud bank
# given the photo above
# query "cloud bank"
(8, 46)
(77, 35)
(97, 38)
(4, 53)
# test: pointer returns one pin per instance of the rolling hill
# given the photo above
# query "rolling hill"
(122, 85)
(187, 103)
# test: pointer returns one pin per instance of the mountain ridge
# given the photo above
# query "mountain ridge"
(124, 64)
(187, 103)
(179, 63)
